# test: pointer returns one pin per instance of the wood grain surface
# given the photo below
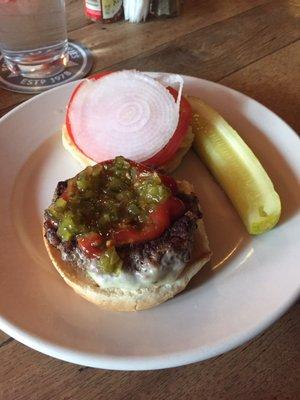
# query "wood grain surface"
(252, 46)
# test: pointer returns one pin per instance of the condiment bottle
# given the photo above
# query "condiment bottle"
(112, 10)
(169, 8)
(136, 10)
(93, 10)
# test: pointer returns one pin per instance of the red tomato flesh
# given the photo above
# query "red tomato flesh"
(90, 244)
(166, 153)
(93, 244)
(170, 183)
(159, 220)
(70, 189)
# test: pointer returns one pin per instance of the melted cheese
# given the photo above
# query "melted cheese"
(150, 274)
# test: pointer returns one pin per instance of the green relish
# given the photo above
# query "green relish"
(106, 197)
(110, 262)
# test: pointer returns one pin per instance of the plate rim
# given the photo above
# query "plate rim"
(143, 362)
(139, 363)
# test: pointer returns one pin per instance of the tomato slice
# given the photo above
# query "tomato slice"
(170, 183)
(90, 244)
(65, 195)
(176, 207)
(99, 75)
(159, 221)
(167, 152)
(70, 189)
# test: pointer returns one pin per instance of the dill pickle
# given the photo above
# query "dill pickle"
(235, 168)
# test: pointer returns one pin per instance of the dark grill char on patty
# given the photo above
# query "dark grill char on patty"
(176, 242)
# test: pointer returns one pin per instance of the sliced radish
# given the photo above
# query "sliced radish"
(124, 113)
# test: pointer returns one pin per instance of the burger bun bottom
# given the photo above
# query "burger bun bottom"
(136, 299)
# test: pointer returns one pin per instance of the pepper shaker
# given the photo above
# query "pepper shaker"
(169, 8)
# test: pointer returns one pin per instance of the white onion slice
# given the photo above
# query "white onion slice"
(173, 80)
(124, 113)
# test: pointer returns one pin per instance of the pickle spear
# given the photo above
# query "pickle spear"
(236, 168)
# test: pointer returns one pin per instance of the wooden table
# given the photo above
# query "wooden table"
(249, 45)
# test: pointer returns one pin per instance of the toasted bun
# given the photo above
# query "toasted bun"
(75, 152)
(170, 166)
(139, 299)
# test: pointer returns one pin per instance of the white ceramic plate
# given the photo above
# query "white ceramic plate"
(250, 282)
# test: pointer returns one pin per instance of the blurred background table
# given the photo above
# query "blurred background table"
(249, 45)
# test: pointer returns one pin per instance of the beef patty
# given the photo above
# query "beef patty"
(173, 246)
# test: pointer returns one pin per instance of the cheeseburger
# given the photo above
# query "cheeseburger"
(122, 235)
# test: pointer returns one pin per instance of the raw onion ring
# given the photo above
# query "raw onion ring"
(124, 113)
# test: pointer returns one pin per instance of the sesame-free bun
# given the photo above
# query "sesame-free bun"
(75, 152)
(131, 300)
(170, 166)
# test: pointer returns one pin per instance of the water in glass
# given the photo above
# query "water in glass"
(33, 36)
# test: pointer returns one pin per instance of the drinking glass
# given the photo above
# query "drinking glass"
(33, 36)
